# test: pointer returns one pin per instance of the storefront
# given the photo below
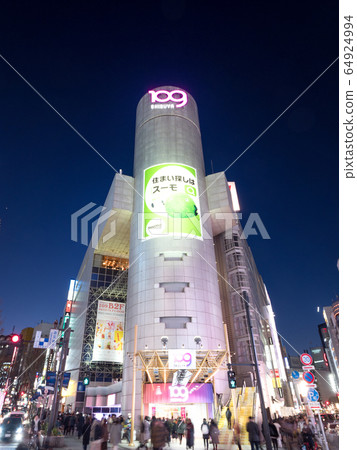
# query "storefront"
(194, 401)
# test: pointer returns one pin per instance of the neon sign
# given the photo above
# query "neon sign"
(182, 359)
(185, 359)
(178, 393)
(177, 96)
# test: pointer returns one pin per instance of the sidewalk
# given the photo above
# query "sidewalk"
(73, 443)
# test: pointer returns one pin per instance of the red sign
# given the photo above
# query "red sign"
(183, 413)
(308, 377)
(68, 306)
(306, 359)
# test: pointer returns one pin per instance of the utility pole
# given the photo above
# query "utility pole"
(259, 384)
(58, 382)
(133, 388)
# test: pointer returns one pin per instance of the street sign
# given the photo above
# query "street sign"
(306, 359)
(308, 367)
(314, 405)
(295, 374)
(312, 395)
(308, 377)
(312, 385)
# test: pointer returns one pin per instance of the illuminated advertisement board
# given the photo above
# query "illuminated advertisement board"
(109, 332)
(171, 202)
(166, 393)
(182, 359)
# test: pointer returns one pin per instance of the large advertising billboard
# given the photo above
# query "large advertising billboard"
(109, 332)
(171, 202)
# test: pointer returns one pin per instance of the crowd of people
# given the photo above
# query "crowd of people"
(289, 433)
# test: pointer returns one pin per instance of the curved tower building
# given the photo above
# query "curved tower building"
(173, 293)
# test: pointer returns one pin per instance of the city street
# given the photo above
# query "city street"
(8, 445)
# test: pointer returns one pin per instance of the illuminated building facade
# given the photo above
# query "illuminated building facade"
(158, 255)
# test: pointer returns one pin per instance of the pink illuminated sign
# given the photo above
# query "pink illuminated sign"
(177, 96)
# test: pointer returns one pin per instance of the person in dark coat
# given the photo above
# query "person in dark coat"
(253, 431)
(86, 433)
(72, 423)
(66, 424)
(214, 433)
(229, 418)
(190, 434)
(158, 435)
(79, 424)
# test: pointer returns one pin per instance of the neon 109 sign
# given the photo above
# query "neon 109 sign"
(182, 359)
(177, 96)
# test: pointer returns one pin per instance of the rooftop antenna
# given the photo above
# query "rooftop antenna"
(212, 165)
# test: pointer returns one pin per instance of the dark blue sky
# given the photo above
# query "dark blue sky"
(243, 62)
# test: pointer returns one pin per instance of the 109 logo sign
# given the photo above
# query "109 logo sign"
(177, 96)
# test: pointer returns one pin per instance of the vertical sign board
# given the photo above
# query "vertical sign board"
(109, 332)
(171, 202)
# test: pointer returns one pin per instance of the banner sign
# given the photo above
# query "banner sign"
(182, 359)
(65, 380)
(46, 342)
(50, 379)
(109, 332)
(171, 202)
(166, 393)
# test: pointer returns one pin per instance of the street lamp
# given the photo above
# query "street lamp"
(164, 341)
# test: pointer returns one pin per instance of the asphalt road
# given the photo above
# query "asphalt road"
(9, 445)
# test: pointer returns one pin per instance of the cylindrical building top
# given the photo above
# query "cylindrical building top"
(167, 101)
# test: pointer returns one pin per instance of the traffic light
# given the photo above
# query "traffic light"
(232, 382)
(11, 339)
(86, 381)
(15, 338)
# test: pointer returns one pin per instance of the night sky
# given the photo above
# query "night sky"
(243, 62)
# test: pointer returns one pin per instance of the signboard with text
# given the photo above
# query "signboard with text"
(109, 332)
(182, 359)
(166, 393)
(171, 202)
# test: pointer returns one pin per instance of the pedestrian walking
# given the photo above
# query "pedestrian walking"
(214, 433)
(205, 433)
(79, 424)
(96, 435)
(104, 445)
(190, 434)
(158, 435)
(236, 434)
(72, 423)
(115, 433)
(181, 427)
(253, 432)
(86, 433)
(145, 430)
(229, 418)
(127, 428)
(174, 429)
(274, 434)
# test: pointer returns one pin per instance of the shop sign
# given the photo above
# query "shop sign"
(177, 96)
(182, 359)
(166, 393)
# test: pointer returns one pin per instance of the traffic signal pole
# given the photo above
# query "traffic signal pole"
(259, 383)
(58, 382)
(229, 364)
